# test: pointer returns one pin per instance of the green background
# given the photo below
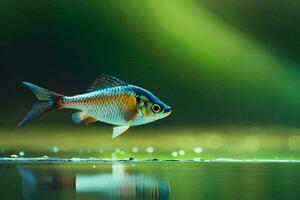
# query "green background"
(228, 68)
(212, 61)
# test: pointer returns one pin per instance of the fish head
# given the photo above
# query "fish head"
(149, 107)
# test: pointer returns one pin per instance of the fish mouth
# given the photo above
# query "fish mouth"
(168, 111)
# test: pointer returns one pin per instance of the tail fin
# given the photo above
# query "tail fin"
(47, 102)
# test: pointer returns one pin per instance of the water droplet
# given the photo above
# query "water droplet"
(181, 152)
(13, 156)
(174, 154)
(94, 166)
(134, 149)
(55, 149)
(131, 158)
(198, 150)
(150, 149)
(21, 153)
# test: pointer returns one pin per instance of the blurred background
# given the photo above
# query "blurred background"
(229, 69)
(216, 63)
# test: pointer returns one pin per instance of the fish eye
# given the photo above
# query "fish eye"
(156, 108)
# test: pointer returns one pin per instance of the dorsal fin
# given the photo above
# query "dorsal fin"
(105, 81)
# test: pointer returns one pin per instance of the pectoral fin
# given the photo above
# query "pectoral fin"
(118, 130)
(82, 117)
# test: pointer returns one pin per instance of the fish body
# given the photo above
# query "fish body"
(108, 100)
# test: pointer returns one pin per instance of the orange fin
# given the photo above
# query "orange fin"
(82, 117)
(131, 109)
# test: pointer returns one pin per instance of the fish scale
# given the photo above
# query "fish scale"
(107, 104)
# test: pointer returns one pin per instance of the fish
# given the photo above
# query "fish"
(108, 99)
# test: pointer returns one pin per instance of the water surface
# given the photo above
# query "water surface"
(150, 180)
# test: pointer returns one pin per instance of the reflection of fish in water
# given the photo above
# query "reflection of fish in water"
(108, 100)
(115, 185)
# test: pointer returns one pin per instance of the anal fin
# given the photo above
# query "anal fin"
(118, 130)
(82, 117)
